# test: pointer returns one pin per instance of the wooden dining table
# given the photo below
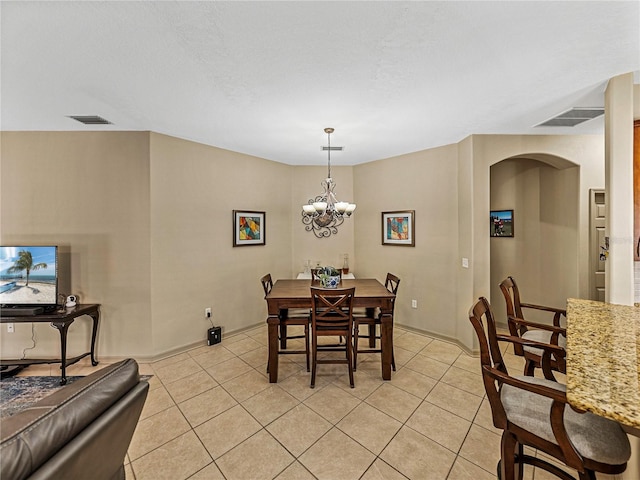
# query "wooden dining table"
(369, 293)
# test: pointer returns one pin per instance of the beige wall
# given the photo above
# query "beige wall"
(619, 281)
(147, 221)
(89, 194)
(541, 255)
(449, 187)
(586, 151)
(427, 183)
(194, 189)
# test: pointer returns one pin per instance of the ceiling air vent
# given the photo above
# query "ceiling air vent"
(90, 119)
(573, 117)
(333, 149)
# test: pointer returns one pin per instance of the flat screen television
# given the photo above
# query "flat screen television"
(28, 278)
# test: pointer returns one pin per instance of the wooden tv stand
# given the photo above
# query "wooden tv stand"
(61, 320)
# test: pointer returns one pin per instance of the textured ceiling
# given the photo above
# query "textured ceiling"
(265, 78)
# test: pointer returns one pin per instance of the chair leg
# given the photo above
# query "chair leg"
(350, 360)
(356, 326)
(507, 454)
(520, 459)
(393, 356)
(314, 361)
(306, 343)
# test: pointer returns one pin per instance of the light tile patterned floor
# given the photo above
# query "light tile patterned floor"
(212, 414)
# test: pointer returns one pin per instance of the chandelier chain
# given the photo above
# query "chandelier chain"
(329, 152)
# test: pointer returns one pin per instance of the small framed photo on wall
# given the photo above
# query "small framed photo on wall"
(501, 223)
(248, 228)
(398, 228)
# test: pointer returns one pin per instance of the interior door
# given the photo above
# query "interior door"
(596, 242)
(636, 188)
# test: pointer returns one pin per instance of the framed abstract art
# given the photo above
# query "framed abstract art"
(248, 228)
(398, 228)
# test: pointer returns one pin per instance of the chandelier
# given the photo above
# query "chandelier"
(324, 214)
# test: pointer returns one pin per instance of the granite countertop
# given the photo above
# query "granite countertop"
(603, 359)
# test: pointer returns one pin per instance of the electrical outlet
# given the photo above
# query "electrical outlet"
(465, 262)
(414, 303)
(207, 312)
(10, 327)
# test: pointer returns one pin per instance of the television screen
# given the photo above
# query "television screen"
(28, 276)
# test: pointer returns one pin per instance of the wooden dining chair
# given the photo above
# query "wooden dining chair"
(331, 316)
(316, 277)
(315, 274)
(371, 318)
(554, 334)
(288, 318)
(533, 412)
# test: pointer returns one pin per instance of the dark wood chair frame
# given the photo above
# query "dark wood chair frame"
(514, 438)
(332, 315)
(372, 320)
(315, 277)
(518, 326)
(286, 320)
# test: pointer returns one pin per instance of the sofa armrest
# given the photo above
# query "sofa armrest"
(34, 436)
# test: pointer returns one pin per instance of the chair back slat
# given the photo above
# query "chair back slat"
(267, 284)
(484, 324)
(392, 282)
(332, 308)
(511, 294)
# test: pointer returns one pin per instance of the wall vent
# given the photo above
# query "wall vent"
(90, 119)
(573, 117)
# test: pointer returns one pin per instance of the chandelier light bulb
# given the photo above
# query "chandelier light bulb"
(320, 206)
(341, 207)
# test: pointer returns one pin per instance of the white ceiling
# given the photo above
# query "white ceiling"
(265, 78)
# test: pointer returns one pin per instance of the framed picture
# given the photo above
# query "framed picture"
(398, 228)
(248, 228)
(501, 223)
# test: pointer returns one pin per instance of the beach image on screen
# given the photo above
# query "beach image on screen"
(28, 275)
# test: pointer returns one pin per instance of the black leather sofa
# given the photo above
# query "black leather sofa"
(81, 431)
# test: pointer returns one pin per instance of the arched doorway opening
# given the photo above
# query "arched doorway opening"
(543, 192)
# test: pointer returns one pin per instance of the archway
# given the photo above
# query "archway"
(543, 191)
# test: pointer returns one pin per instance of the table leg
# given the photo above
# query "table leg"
(273, 323)
(96, 318)
(62, 328)
(372, 335)
(386, 340)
